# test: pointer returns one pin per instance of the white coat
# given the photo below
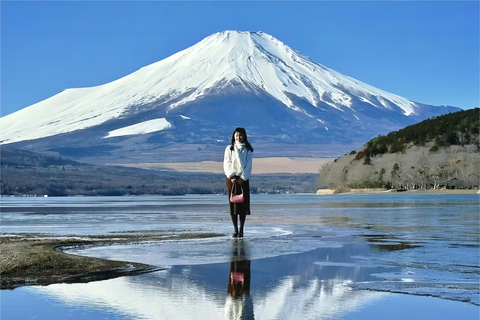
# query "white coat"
(238, 162)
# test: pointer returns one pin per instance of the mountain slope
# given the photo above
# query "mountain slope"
(228, 79)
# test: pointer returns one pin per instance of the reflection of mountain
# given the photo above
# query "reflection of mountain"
(308, 291)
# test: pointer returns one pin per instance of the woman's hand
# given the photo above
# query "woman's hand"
(233, 180)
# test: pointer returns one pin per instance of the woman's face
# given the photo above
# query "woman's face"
(238, 137)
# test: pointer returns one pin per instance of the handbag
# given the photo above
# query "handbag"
(236, 198)
(237, 277)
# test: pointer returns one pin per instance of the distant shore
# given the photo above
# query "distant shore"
(392, 191)
(33, 259)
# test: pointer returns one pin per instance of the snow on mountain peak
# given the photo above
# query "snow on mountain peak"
(144, 127)
(251, 59)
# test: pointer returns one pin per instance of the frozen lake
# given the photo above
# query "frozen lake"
(392, 256)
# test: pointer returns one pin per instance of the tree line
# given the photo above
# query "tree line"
(27, 173)
(458, 128)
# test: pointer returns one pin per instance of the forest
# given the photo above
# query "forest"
(26, 173)
(441, 152)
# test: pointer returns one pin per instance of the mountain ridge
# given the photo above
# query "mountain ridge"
(228, 79)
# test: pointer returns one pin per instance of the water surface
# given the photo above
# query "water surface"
(303, 257)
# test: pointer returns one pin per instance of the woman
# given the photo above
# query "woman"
(237, 164)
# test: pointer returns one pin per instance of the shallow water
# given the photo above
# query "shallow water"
(303, 257)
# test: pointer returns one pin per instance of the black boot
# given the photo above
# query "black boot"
(235, 225)
(242, 223)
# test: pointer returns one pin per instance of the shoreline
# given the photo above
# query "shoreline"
(33, 259)
(37, 259)
(392, 191)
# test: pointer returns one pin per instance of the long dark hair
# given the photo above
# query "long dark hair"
(245, 140)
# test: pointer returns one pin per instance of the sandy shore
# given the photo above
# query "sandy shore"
(29, 259)
(385, 191)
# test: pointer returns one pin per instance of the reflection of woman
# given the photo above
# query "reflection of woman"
(239, 304)
(239, 281)
(237, 164)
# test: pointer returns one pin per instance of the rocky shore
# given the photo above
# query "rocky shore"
(30, 259)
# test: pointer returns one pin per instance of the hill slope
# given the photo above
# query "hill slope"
(442, 151)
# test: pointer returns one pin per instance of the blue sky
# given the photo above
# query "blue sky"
(424, 51)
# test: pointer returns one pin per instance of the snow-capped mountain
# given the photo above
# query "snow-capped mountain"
(200, 94)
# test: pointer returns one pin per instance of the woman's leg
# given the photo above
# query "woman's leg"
(242, 223)
(235, 224)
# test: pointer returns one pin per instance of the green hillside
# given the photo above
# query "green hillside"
(459, 128)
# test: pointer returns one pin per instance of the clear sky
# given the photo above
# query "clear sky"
(424, 51)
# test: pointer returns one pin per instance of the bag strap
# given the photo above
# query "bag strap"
(235, 186)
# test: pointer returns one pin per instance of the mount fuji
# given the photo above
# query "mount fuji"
(186, 106)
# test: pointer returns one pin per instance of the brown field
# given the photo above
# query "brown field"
(260, 165)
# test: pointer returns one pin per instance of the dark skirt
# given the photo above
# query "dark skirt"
(239, 208)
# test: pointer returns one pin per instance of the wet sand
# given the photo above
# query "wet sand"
(30, 259)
